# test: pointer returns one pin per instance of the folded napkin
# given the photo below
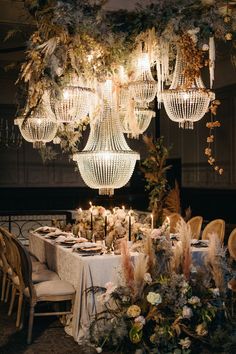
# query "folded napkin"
(199, 243)
(46, 229)
(81, 239)
(85, 245)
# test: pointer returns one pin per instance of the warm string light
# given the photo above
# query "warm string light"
(211, 138)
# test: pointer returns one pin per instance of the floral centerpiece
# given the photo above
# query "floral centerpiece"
(111, 225)
(164, 308)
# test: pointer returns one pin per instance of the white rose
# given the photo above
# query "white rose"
(187, 312)
(185, 343)
(147, 278)
(194, 300)
(154, 298)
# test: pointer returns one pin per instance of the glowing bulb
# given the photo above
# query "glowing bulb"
(66, 94)
(185, 96)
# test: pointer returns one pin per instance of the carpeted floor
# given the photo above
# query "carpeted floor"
(48, 337)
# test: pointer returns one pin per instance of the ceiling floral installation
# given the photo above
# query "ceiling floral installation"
(79, 45)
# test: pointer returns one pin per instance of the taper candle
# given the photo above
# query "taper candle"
(129, 234)
(152, 225)
(91, 216)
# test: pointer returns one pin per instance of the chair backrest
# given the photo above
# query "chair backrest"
(12, 254)
(3, 258)
(26, 266)
(232, 244)
(216, 226)
(195, 224)
(174, 219)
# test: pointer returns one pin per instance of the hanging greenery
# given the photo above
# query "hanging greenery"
(154, 168)
(82, 36)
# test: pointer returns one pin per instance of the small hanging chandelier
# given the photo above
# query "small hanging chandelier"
(136, 122)
(107, 162)
(72, 104)
(143, 88)
(184, 104)
(40, 127)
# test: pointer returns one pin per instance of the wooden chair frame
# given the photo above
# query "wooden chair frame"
(209, 228)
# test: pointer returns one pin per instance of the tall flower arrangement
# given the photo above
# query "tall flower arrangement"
(176, 310)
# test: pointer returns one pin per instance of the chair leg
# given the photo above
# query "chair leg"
(20, 301)
(30, 325)
(8, 289)
(4, 280)
(22, 316)
(13, 295)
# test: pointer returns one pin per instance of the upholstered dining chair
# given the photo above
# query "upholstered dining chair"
(46, 291)
(195, 224)
(5, 267)
(9, 259)
(40, 274)
(232, 244)
(216, 226)
(174, 219)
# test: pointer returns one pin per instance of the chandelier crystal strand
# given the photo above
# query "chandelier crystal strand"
(183, 104)
(72, 104)
(41, 126)
(136, 121)
(107, 162)
(143, 88)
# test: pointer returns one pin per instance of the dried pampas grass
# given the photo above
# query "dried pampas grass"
(182, 259)
(214, 260)
(140, 268)
(127, 265)
(150, 253)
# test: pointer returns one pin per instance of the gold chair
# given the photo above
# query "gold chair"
(41, 274)
(232, 244)
(216, 226)
(195, 224)
(174, 219)
(5, 267)
(46, 291)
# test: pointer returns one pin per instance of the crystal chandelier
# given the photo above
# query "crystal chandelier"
(135, 124)
(107, 162)
(186, 105)
(143, 88)
(72, 104)
(40, 127)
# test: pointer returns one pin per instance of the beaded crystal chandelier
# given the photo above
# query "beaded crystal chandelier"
(184, 104)
(107, 162)
(143, 87)
(135, 124)
(40, 127)
(72, 104)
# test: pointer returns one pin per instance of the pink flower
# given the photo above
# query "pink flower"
(156, 233)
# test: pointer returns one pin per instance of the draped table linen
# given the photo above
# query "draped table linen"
(81, 272)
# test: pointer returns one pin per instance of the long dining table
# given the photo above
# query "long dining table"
(82, 272)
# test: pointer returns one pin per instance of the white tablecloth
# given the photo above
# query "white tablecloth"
(82, 272)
